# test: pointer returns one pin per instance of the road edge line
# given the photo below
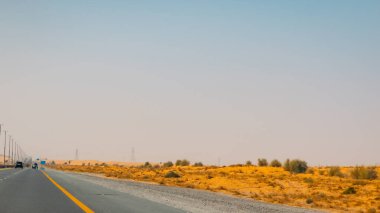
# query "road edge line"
(81, 205)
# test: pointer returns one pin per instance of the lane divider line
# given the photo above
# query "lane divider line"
(69, 195)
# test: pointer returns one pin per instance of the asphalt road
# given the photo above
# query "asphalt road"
(27, 190)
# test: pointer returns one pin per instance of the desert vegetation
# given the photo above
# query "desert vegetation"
(337, 189)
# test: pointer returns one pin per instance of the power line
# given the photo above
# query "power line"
(15, 152)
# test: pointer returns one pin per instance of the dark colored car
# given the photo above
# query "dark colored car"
(19, 165)
(34, 166)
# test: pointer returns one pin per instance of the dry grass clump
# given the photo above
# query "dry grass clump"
(335, 171)
(324, 188)
(362, 172)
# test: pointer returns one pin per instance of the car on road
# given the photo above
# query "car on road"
(19, 164)
(34, 166)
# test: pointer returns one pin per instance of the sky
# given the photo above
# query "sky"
(211, 81)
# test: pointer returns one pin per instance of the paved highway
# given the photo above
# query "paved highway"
(33, 191)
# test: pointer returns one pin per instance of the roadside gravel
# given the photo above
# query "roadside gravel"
(189, 200)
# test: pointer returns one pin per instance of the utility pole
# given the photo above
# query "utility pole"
(9, 148)
(15, 155)
(16, 159)
(18, 153)
(5, 145)
(76, 154)
(13, 144)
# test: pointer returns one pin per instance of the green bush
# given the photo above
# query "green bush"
(183, 162)
(262, 162)
(172, 174)
(287, 165)
(335, 171)
(362, 172)
(296, 166)
(349, 191)
(199, 164)
(309, 200)
(275, 163)
(168, 164)
(147, 165)
(248, 163)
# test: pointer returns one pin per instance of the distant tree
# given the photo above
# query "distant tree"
(287, 165)
(297, 166)
(262, 162)
(248, 163)
(147, 165)
(53, 163)
(198, 164)
(178, 163)
(183, 162)
(275, 163)
(168, 164)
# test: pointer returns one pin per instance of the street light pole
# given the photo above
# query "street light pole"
(5, 145)
(13, 144)
(9, 148)
(14, 152)
(17, 158)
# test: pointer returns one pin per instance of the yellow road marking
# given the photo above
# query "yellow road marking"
(74, 199)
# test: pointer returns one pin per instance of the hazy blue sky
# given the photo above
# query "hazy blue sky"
(200, 80)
